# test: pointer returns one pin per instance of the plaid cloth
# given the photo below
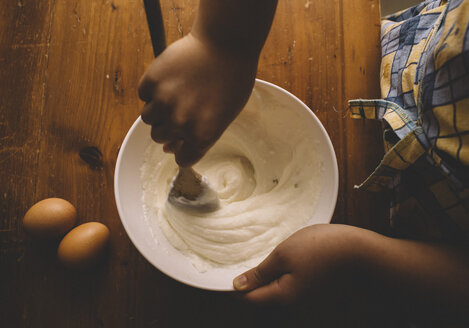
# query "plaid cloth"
(425, 110)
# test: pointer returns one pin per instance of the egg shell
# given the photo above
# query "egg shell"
(84, 245)
(50, 218)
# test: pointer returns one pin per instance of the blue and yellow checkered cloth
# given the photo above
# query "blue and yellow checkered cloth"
(425, 110)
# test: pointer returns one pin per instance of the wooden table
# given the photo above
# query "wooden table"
(69, 71)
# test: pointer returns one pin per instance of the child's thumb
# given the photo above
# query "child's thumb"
(266, 272)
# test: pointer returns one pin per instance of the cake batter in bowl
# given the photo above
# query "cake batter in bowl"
(274, 170)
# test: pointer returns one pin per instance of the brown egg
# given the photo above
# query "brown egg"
(50, 218)
(84, 245)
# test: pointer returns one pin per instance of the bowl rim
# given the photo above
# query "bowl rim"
(135, 240)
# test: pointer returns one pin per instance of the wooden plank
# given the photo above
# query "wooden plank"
(24, 36)
(96, 59)
(23, 60)
(362, 141)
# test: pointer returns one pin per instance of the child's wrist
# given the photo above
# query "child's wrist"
(233, 51)
(357, 248)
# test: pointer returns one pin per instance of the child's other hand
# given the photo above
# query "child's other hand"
(310, 262)
(193, 91)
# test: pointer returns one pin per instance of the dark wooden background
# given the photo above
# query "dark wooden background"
(69, 71)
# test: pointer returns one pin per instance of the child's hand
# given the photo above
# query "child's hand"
(330, 260)
(193, 91)
(308, 263)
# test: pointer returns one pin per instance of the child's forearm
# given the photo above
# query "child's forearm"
(237, 26)
(420, 274)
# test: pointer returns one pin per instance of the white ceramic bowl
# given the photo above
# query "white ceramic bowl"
(128, 193)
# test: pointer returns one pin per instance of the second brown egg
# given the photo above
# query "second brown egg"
(84, 245)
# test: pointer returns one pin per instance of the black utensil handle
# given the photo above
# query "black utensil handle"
(155, 25)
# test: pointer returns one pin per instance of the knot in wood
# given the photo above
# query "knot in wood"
(92, 156)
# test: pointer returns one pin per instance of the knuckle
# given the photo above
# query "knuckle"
(146, 119)
(179, 121)
(146, 115)
(142, 93)
(281, 256)
(157, 112)
(144, 90)
(257, 276)
(278, 253)
(159, 135)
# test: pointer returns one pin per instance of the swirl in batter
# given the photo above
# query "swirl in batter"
(265, 172)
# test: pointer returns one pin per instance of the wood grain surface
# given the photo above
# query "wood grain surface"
(69, 71)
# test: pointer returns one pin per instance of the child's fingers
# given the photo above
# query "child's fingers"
(162, 134)
(173, 146)
(269, 270)
(188, 154)
(155, 112)
(145, 88)
(278, 292)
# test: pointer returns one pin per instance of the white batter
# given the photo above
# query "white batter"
(266, 173)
